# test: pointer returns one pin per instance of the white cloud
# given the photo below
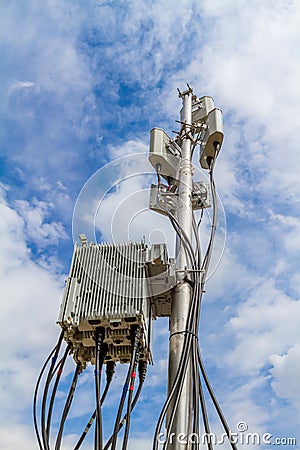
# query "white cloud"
(37, 228)
(265, 324)
(23, 84)
(17, 437)
(31, 297)
(241, 405)
(286, 373)
(75, 67)
(289, 227)
(249, 63)
(128, 148)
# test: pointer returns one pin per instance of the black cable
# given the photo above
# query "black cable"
(196, 393)
(197, 299)
(142, 371)
(67, 406)
(189, 342)
(36, 428)
(207, 257)
(98, 444)
(177, 384)
(194, 313)
(181, 234)
(204, 415)
(135, 341)
(190, 338)
(179, 377)
(101, 350)
(181, 370)
(129, 399)
(200, 218)
(186, 346)
(195, 143)
(45, 437)
(198, 244)
(110, 370)
(215, 402)
(187, 350)
(178, 390)
(142, 375)
(158, 179)
(59, 369)
(205, 265)
(183, 237)
(190, 347)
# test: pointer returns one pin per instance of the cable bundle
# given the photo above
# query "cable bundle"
(43, 429)
(191, 354)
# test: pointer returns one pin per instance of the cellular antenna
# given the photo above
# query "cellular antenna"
(115, 290)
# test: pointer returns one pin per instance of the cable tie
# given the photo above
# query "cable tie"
(59, 372)
(131, 388)
(183, 332)
(133, 375)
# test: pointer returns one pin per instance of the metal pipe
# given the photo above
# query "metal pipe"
(181, 299)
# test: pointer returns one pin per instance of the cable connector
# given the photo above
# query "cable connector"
(135, 336)
(142, 371)
(110, 370)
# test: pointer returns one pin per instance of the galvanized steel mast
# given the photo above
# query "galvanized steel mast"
(181, 300)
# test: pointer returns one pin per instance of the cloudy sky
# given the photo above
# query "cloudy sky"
(82, 84)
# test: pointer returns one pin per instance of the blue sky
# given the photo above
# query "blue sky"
(82, 84)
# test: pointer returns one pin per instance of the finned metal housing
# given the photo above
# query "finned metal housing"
(110, 286)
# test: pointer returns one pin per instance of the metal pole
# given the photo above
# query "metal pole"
(181, 299)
